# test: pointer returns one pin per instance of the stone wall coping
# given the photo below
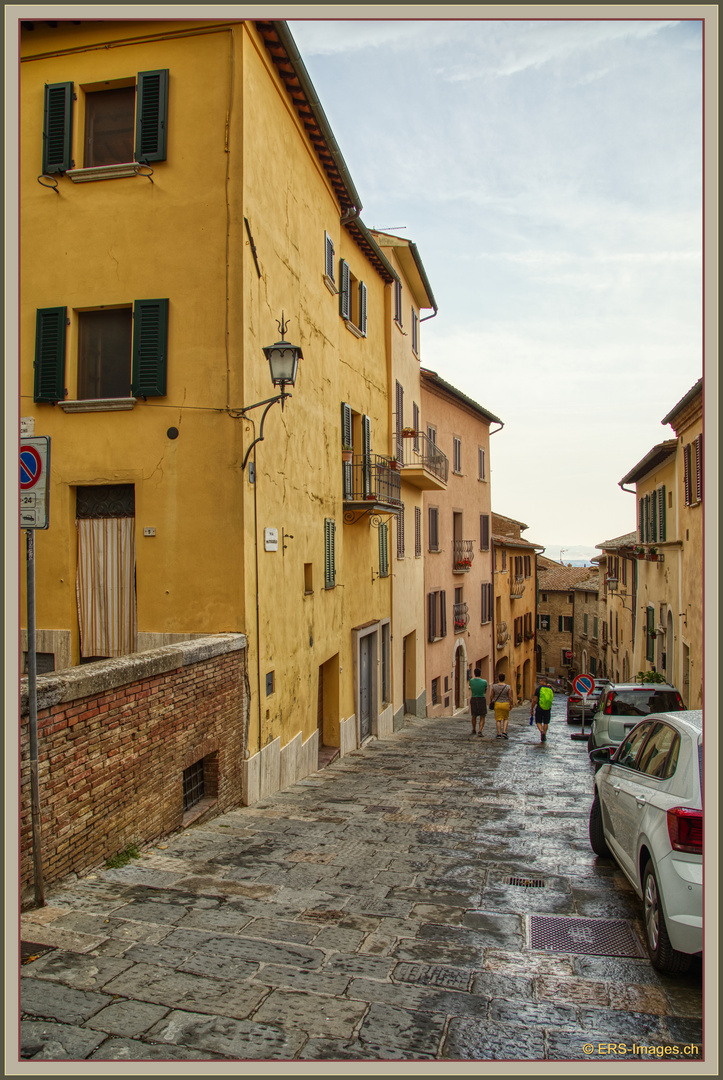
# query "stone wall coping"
(89, 680)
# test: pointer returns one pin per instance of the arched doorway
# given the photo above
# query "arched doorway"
(460, 672)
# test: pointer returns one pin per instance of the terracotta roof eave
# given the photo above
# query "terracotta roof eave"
(685, 400)
(511, 541)
(659, 453)
(371, 249)
(286, 57)
(435, 380)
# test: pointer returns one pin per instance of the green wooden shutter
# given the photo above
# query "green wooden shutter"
(329, 554)
(150, 344)
(367, 455)
(58, 128)
(649, 639)
(347, 469)
(344, 290)
(49, 368)
(654, 516)
(400, 533)
(641, 520)
(661, 514)
(384, 550)
(686, 473)
(362, 307)
(698, 444)
(152, 116)
(431, 619)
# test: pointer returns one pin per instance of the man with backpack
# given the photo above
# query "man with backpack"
(541, 706)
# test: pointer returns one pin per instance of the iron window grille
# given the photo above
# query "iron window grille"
(193, 785)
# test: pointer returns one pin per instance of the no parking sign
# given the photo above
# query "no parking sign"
(583, 684)
(34, 475)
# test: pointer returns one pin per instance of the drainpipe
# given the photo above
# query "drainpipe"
(629, 491)
(495, 432)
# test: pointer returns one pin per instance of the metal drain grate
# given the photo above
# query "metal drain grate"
(589, 937)
(525, 882)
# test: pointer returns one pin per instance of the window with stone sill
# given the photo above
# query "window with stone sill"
(122, 355)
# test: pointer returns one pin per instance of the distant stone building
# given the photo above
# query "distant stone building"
(556, 616)
(586, 627)
(515, 590)
(619, 623)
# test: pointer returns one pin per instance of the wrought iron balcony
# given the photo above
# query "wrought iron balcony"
(502, 634)
(461, 618)
(424, 464)
(463, 554)
(372, 480)
(517, 586)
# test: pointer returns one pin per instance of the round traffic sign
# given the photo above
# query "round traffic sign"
(31, 467)
(583, 684)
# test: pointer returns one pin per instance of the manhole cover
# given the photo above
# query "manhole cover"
(32, 950)
(525, 882)
(589, 937)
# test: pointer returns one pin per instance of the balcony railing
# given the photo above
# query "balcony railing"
(517, 586)
(502, 634)
(418, 451)
(372, 479)
(461, 617)
(463, 554)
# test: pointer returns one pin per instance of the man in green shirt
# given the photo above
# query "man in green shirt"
(478, 704)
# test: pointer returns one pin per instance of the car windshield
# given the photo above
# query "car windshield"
(643, 701)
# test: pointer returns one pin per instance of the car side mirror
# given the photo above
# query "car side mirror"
(602, 755)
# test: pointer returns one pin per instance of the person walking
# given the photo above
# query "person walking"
(478, 701)
(501, 698)
(541, 707)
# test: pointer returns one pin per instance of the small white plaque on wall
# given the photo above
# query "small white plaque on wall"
(27, 427)
(271, 539)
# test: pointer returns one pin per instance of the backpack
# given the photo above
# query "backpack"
(545, 696)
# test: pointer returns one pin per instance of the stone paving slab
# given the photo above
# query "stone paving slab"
(43, 1040)
(324, 924)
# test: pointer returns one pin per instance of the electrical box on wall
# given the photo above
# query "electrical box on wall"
(149, 531)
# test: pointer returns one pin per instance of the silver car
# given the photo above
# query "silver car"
(647, 813)
(623, 705)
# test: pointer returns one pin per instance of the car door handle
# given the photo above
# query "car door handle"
(617, 788)
(641, 800)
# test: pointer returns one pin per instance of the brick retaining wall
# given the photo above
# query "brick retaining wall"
(113, 740)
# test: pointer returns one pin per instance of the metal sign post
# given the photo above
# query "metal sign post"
(34, 473)
(582, 685)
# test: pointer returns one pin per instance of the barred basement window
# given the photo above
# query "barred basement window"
(193, 785)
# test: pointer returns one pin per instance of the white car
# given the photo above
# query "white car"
(648, 814)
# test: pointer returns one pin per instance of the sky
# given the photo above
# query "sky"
(550, 174)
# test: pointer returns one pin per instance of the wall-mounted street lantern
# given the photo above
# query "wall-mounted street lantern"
(283, 358)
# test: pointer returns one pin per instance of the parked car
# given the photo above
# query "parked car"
(575, 701)
(623, 704)
(647, 813)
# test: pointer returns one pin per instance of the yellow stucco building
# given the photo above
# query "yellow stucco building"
(515, 605)
(166, 234)
(669, 551)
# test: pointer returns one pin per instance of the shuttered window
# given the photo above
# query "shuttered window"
(662, 531)
(649, 634)
(641, 520)
(398, 302)
(433, 528)
(328, 256)
(344, 289)
(415, 424)
(442, 613)
(384, 550)
(399, 419)
(457, 448)
(50, 336)
(417, 532)
(367, 455)
(699, 468)
(362, 324)
(400, 534)
(486, 612)
(58, 128)
(329, 554)
(152, 116)
(687, 474)
(150, 342)
(484, 532)
(481, 463)
(415, 333)
(346, 440)
(431, 616)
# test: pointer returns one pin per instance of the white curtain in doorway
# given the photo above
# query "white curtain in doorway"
(105, 585)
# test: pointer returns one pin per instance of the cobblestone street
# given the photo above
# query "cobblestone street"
(384, 908)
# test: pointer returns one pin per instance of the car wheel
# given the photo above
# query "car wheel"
(662, 954)
(597, 834)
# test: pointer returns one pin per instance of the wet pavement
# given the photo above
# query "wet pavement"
(432, 896)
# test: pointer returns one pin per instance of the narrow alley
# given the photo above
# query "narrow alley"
(431, 896)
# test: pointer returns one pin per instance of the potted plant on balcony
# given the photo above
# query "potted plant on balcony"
(347, 453)
(463, 563)
(652, 554)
